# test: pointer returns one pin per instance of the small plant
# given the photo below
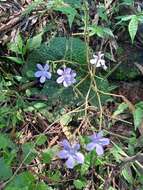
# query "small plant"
(66, 120)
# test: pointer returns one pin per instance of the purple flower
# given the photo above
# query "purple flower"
(71, 154)
(43, 72)
(67, 76)
(98, 142)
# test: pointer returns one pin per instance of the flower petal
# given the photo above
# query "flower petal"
(99, 149)
(46, 67)
(79, 158)
(38, 74)
(40, 67)
(70, 163)
(76, 147)
(95, 56)
(66, 84)
(100, 55)
(59, 71)
(60, 80)
(93, 61)
(90, 146)
(105, 67)
(67, 70)
(73, 74)
(104, 141)
(63, 154)
(48, 75)
(100, 134)
(42, 79)
(98, 64)
(66, 144)
(93, 137)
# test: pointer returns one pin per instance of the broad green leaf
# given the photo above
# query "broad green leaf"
(39, 105)
(47, 156)
(21, 181)
(4, 141)
(100, 31)
(28, 152)
(17, 45)
(138, 117)
(5, 170)
(54, 175)
(34, 42)
(70, 49)
(41, 139)
(133, 27)
(42, 186)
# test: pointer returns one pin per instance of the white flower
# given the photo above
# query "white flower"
(98, 60)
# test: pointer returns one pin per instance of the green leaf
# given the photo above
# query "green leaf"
(69, 11)
(15, 59)
(133, 27)
(138, 117)
(54, 176)
(17, 45)
(39, 105)
(34, 42)
(21, 182)
(47, 156)
(127, 2)
(28, 152)
(79, 184)
(74, 3)
(42, 186)
(5, 170)
(100, 31)
(41, 139)
(121, 108)
(127, 174)
(65, 119)
(70, 49)
(4, 141)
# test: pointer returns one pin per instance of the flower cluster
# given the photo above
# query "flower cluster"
(73, 156)
(66, 75)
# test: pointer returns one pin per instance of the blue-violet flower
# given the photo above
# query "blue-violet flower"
(67, 76)
(71, 154)
(97, 142)
(43, 72)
